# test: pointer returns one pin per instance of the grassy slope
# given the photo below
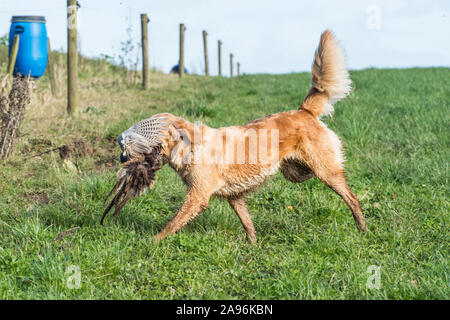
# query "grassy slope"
(395, 129)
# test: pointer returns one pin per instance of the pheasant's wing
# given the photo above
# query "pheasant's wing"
(153, 129)
(135, 145)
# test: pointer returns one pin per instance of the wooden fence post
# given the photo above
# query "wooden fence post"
(205, 49)
(238, 69)
(51, 70)
(231, 65)
(72, 58)
(181, 62)
(13, 55)
(220, 57)
(144, 43)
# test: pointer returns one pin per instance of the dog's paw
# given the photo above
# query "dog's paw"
(157, 238)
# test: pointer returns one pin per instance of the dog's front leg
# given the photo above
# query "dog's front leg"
(241, 209)
(195, 202)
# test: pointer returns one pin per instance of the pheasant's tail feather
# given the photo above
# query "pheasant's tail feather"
(113, 201)
(133, 179)
(108, 208)
(114, 188)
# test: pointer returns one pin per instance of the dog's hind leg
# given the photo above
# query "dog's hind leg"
(335, 179)
(240, 207)
(194, 204)
(324, 157)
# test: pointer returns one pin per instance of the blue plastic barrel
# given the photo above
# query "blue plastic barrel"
(32, 54)
(176, 69)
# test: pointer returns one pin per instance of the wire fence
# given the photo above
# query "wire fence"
(126, 52)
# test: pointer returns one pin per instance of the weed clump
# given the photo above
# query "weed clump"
(12, 112)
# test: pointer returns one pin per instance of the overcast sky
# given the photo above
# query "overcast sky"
(265, 36)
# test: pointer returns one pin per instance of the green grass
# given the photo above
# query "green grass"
(395, 127)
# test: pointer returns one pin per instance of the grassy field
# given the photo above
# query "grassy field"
(395, 128)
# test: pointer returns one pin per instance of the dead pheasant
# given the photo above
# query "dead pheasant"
(134, 178)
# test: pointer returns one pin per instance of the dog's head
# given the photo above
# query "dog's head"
(145, 148)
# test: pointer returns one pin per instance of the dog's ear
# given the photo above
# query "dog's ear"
(179, 135)
(174, 134)
(180, 153)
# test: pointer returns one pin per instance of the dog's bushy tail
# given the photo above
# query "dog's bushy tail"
(330, 79)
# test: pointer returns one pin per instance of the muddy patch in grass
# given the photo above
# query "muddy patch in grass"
(38, 197)
(76, 148)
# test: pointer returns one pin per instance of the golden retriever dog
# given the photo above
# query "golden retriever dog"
(230, 162)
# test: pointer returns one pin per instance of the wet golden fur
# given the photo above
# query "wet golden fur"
(307, 148)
